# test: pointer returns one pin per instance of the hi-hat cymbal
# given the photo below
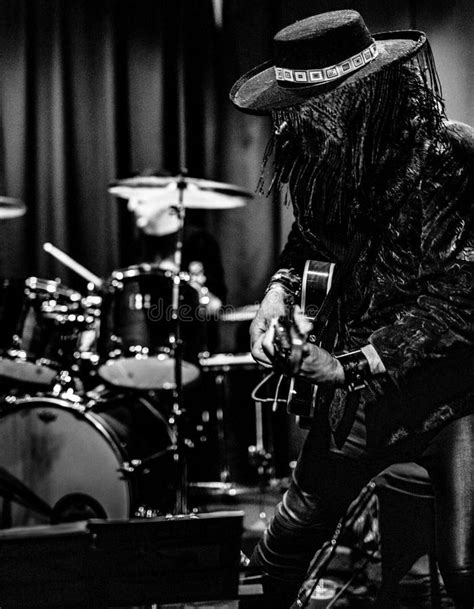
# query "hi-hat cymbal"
(198, 193)
(11, 208)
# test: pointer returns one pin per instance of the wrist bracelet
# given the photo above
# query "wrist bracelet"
(287, 281)
(356, 369)
(289, 298)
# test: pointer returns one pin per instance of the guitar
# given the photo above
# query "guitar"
(291, 335)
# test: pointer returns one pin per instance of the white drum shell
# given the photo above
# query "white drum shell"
(56, 448)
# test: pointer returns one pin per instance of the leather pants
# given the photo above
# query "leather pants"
(326, 481)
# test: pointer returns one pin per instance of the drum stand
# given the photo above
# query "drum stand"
(176, 420)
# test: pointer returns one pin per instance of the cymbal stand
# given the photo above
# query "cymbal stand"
(176, 419)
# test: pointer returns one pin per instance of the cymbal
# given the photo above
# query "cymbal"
(11, 208)
(198, 193)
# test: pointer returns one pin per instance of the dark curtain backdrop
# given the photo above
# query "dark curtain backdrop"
(89, 94)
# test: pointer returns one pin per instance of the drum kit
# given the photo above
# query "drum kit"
(97, 388)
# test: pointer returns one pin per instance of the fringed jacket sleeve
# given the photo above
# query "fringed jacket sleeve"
(440, 323)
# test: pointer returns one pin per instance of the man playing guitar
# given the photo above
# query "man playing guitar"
(382, 185)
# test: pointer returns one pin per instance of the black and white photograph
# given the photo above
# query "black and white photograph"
(236, 304)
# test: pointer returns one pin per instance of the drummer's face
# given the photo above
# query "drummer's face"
(153, 217)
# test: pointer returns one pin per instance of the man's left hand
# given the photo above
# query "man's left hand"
(320, 367)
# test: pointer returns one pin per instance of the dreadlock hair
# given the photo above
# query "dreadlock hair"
(350, 155)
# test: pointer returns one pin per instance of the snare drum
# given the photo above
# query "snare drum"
(137, 329)
(74, 458)
(47, 331)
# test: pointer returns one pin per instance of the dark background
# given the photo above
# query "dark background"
(89, 94)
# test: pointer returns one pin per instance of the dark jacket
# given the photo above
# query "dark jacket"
(411, 294)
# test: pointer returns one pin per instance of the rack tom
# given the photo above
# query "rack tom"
(137, 330)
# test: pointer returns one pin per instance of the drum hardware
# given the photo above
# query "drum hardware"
(65, 386)
(140, 466)
(146, 512)
(262, 460)
(88, 335)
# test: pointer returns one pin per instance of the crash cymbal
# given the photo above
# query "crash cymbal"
(11, 208)
(198, 193)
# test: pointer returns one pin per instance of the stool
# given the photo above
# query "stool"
(406, 521)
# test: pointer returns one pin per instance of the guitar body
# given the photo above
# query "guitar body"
(303, 396)
(315, 284)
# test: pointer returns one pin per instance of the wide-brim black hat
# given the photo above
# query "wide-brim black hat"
(317, 55)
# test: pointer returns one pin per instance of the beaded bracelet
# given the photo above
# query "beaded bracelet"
(356, 369)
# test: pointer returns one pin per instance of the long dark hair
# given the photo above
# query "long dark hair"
(348, 155)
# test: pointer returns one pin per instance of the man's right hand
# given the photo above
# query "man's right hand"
(274, 305)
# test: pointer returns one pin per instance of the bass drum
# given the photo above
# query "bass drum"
(71, 458)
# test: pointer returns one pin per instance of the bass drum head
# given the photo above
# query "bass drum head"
(68, 458)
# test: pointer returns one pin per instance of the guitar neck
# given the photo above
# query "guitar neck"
(304, 396)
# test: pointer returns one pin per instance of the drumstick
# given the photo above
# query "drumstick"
(72, 264)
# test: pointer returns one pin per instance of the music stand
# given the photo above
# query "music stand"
(45, 566)
(104, 563)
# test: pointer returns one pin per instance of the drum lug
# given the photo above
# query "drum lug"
(145, 512)
(16, 343)
(16, 352)
(131, 467)
(63, 384)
